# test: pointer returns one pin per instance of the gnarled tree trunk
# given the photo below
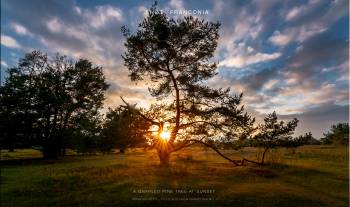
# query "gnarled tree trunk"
(164, 157)
(164, 149)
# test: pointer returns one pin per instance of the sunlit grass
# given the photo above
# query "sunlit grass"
(313, 176)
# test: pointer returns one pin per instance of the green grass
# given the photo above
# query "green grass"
(20, 154)
(313, 176)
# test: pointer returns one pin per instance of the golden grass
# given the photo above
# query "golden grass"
(313, 176)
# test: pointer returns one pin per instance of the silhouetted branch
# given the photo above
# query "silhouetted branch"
(139, 113)
(216, 150)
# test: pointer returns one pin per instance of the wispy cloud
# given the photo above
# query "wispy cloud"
(9, 42)
(240, 60)
(4, 64)
(20, 29)
(101, 15)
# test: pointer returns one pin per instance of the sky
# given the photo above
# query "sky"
(291, 57)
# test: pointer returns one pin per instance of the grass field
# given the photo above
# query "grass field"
(313, 176)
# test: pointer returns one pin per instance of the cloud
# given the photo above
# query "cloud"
(244, 60)
(305, 12)
(343, 71)
(281, 39)
(9, 42)
(54, 25)
(321, 47)
(101, 15)
(337, 10)
(4, 64)
(270, 84)
(295, 34)
(313, 75)
(240, 55)
(97, 40)
(244, 23)
(20, 29)
(311, 97)
(319, 119)
(293, 13)
(143, 10)
(240, 22)
(308, 20)
(176, 4)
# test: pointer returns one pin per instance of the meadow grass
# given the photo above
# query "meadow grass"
(313, 176)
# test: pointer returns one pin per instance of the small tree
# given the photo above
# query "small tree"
(273, 133)
(124, 129)
(174, 56)
(338, 135)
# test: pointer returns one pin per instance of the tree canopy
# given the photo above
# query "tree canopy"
(338, 135)
(43, 97)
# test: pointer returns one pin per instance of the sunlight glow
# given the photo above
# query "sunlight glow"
(165, 135)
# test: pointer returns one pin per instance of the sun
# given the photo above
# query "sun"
(165, 135)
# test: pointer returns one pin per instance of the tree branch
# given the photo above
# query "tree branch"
(252, 161)
(149, 62)
(177, 118)
(195, 122)
(184, 146)
(139, 113)
(216, 150)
